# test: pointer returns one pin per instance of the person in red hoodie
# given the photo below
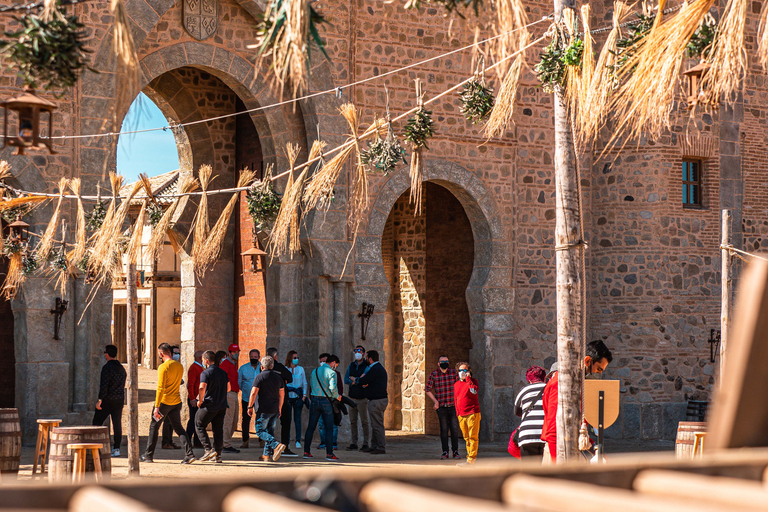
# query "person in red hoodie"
(596, 359)
(467, 401)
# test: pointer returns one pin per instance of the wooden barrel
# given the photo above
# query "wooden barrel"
(60, 465)
(684, 441)
(10, 441)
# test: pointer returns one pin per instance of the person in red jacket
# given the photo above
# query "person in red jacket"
(467, 401)
(193, 389)
(229, 365)
(597, 358)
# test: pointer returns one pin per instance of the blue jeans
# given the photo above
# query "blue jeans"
(321, 429)
(265, 430)
(319, 407)
(297, 405)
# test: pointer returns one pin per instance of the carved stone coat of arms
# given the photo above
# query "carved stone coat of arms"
(201, 18)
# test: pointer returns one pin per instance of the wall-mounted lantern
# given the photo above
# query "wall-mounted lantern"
(251, 257)
(694, 79)
(714, 344)
(19, 230)
(365, 316)
(176, 317)
(28, 107)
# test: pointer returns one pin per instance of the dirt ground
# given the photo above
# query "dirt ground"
(403, 448)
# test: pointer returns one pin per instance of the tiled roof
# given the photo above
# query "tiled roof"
(166, 183)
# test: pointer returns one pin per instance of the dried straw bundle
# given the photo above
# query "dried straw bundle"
(510, 24)
(762, 37)
(202, 227)
(165, 227)
(579, 79)
(5, 170)
(592, 111)
(418, 130)
(14, 276)
(105, 261)
(78, 252)
(504, 107)
(212, 249)
(7, 204)
(46, 241)
(284, 238)
(137, 233)
(728, 57)
(127, 71)
(644, 101)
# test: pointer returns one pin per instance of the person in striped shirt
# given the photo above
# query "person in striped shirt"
(529, 406)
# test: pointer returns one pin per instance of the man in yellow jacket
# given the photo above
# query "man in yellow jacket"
(168, 403)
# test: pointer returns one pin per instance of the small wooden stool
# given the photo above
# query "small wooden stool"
(78, 466)
(43, 435)
(698, 444)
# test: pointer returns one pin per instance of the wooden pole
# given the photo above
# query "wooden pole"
(132, 349)
(726, 286)
(568, 257)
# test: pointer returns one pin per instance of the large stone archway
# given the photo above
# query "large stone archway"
(489, 296)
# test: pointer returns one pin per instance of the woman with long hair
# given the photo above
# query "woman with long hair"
(297, 392)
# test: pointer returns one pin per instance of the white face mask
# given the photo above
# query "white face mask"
(358, 356)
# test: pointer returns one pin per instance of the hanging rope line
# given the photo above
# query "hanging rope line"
(297, 168)
(740, 254)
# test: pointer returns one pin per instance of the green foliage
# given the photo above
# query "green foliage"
(155, 213)
(700, 44)
(476, 101)
(275, 18)
(450, 6)
(384, 154)
(10, 214)
(635, 32)
(28, 265)
(573, 54)
(551, 67)
(263, 204)
(58, 260)
(50, 53)
(12, 246)
(95, 218)
(82, 265)
(419, 128)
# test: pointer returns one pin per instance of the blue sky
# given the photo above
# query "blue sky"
(152, 153)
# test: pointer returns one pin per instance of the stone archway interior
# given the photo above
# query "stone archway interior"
(428, 261)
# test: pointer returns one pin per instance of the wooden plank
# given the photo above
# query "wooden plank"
(553, 495)
(90, 499)
(726, 492)
(378, 496)
(247, 498)
(132, 350)
(738, 419)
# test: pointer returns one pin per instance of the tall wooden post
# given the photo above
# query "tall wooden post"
(568, 256)
(726, 286)
(132, 348)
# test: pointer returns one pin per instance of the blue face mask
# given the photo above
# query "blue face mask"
(295, 361)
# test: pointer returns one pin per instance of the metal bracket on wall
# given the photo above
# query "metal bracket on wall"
(58, 311)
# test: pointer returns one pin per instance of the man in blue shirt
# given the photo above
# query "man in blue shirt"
(245, 376)
(322, 391)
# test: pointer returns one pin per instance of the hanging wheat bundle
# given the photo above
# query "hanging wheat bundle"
(593, 110)
(286, 34)
(14, 276)
(263, 202)
(164, 226)
(510, 26)
(46, 241)
(645, 99)
(5, 172)
(762, 38)
(417, 132)
(104, 260)
(127, 82)
(727, 58)
(212, 249)
(502, 111)
(580, 79)
(477, 99)
(201, 225)
(12, 208)
(80, 240)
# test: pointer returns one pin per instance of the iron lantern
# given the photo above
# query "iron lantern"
(251, 257)
(694, 79)
(176, 317)
(19, 230)
(28, 107)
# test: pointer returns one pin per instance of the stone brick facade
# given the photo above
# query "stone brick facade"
(653, 265)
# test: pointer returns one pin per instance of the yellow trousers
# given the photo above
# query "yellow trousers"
(470, 429)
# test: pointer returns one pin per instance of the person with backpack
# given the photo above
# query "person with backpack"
(529, 406)
(323, 390)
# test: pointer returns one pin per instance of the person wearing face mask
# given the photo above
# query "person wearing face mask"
(111, 397)
(440, 390)
(333, 361)
(597, 357)
(245, 376)
(212, 399)
(374, 380)
(285, 425)
(193, 386)
(297, 392)
(229, 365)
(467, 399)
(355, 370)
(167, 441)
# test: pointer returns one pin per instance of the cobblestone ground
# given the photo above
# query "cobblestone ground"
(402, 449)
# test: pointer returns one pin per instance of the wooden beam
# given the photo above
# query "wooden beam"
(378, 496)
(726, 492)
(90, 499)
(248, 498)
(726, 287)
(132, 349)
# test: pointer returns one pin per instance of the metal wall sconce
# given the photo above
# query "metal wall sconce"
(365, 316)
(714, 344)
(28, 107)
(176, 317)
(58, 311)
(252, 256)
(19, 230)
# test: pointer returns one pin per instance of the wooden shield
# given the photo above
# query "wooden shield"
(592, 389)
(201, 18)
